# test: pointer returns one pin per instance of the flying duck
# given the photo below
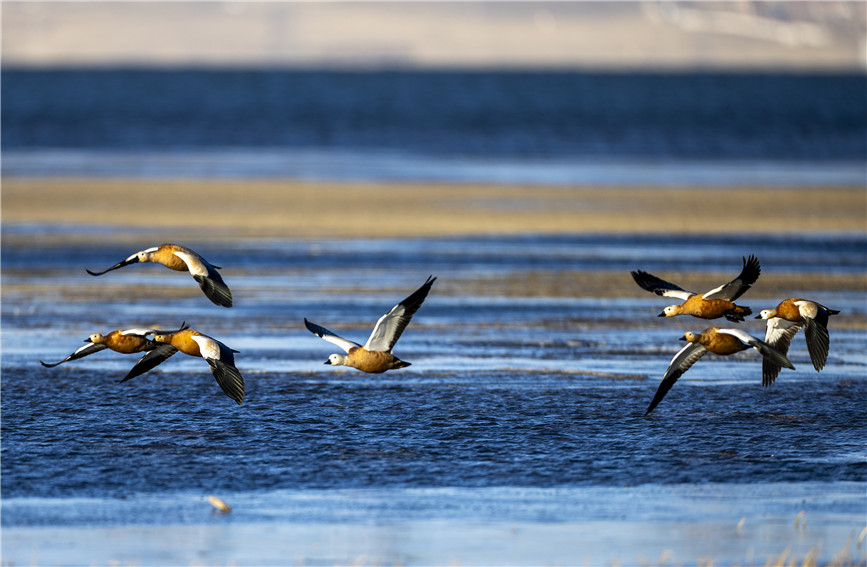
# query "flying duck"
(180, 258)
(784, 322)
(375, 356)
(718, 341)
(718, 302)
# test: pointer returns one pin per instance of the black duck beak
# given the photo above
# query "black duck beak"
(328, 362)
(661, 314)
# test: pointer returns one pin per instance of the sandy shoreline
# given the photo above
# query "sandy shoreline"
(216, 209)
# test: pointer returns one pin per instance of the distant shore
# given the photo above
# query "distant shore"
(217, 209)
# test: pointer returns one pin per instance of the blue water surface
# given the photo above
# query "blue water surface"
(562, 128)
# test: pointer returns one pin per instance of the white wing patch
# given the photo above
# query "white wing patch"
(713, 291)
(686, 357)
(96, 347)
(140, 332)
(777, 327)
(194, 263)
(742, 336)
(384, 330)
(678, 294)
(208, 346)
(807, 309)
(341, 342)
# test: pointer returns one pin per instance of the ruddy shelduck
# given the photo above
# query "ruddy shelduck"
(182, 259)
(375, 356)
(784, 322)
(718, 341)
(193, 343)
(128, 341)
(718, 302)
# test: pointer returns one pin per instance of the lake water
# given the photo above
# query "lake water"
(563, 128)
(516, 437)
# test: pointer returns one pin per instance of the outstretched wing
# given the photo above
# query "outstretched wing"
(222, 362)
(150, 360)
(779, 335)
(87, 349)
(391, 325)
(215, 289)
(735, 288)
(324, 333)
(228, 378)
(818, 342)
(682, 361)
(131, 260)
(207, 277)
(653, 284)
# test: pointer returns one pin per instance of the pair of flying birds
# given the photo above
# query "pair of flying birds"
(374, 356)
(783, 323)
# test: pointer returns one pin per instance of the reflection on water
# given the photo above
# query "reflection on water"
(537, 401)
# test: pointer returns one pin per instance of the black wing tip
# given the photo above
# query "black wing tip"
(648, 282)
(752, 269)
(428, 283)
(770, 371)
(414, 300)
(640, 277)
(661, 391)
(313, 328)
(652, 406)
(769, 374)
(229, 379)
(215, 289)
(818, 343)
